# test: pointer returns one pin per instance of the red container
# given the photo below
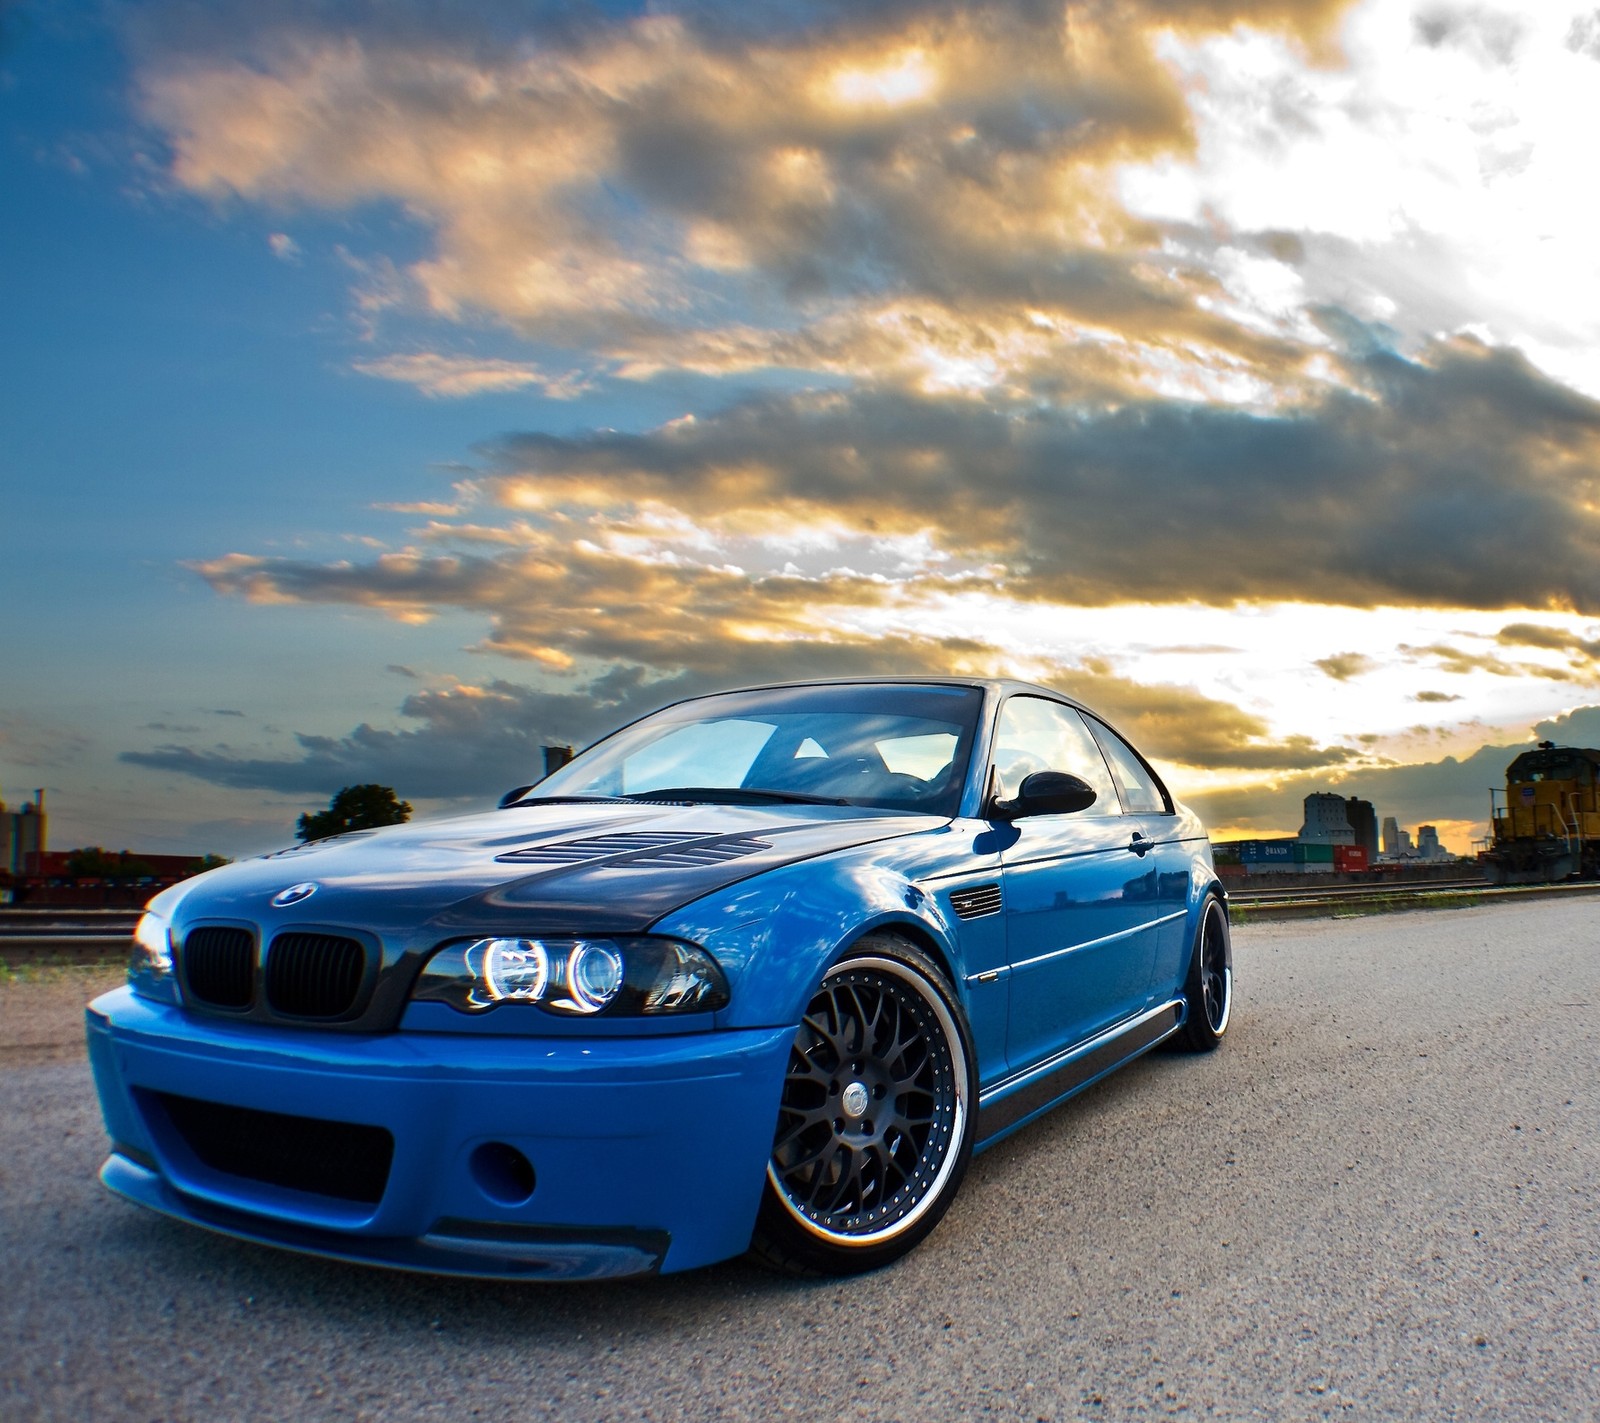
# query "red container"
(1349, 858)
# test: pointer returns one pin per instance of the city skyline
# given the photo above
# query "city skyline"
(393, 392)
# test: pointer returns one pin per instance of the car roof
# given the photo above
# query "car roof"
(1003, 685)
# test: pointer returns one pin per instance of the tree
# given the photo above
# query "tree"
(207, 862)
(355, 808)
(92, 862)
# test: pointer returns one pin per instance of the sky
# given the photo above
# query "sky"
(389, 390)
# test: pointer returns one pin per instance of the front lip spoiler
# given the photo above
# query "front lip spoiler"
(476, 1249)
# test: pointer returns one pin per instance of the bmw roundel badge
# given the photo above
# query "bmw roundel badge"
(293, 895)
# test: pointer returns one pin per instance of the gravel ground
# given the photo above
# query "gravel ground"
(1376, 1201)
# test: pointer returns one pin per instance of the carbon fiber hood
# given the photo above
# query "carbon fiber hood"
(559, 868)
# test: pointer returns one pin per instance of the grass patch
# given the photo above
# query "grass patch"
(1362, 909)
(60, 970)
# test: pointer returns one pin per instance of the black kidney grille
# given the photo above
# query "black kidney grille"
(341, 1159)
(314, 975)
(219, 966)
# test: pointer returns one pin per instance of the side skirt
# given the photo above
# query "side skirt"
(1018, 1099)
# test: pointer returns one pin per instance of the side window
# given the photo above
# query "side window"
(1141, 791)
(1036, 735)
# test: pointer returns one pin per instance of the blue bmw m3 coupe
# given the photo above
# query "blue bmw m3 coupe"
(757, 972)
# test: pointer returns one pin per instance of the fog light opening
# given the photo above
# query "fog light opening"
(502, 1173)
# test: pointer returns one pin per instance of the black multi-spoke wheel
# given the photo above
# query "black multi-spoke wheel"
(875, 1122)
(1209, 989)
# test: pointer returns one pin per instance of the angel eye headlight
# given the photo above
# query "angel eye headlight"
(633, 976)
(150, 964)
(515, 970)
(594, 975)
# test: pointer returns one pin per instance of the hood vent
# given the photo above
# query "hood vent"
(596, 847)
(975, 903)
(707, 852)
(643, 849)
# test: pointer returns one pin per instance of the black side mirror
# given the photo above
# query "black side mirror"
(1046, 793)
(510, 798)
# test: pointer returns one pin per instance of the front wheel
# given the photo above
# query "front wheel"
(1208, 991)
(876, 1119)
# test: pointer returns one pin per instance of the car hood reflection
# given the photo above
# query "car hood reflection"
(610, 867)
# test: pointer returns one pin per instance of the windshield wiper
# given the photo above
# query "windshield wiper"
(735, 794)
(566, 800)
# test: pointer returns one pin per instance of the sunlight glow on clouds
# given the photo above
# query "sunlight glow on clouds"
(1430, 180)
(1231, 364)
(892, 81)
(449, 376)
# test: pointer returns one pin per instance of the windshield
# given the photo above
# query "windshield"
(898, 746)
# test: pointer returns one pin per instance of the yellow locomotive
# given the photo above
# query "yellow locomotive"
(1548, 827)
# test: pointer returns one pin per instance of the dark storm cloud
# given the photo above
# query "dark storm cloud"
(1582, 653)
(1463, 479)
(480, 740)
(1461, 661)
(476, 741)
(1449, 789)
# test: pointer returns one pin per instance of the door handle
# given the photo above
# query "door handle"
(1140, 845)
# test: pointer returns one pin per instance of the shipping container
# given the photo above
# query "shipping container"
(1313, 854)
(1263, 851)
(1349, 859)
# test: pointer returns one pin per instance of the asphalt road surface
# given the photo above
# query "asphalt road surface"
(1377, 1200)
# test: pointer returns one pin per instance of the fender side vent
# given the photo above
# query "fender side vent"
(977, 902)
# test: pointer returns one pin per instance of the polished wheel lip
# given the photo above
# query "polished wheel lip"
(1216, 973)
(961, 1087)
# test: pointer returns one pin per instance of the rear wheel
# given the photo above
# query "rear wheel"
(876, 1119)
(1208, 991)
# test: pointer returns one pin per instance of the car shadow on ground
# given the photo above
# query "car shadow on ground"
(1048, 1166)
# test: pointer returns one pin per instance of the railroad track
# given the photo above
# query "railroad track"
(1308, 902)
(64, 935)
(93, 935)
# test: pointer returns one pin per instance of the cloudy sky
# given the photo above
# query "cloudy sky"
(390, 389)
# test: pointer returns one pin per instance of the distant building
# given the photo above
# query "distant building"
(1391, 836)
(1428, 846)
(1363, 820)
(1405, 847)
(1327, 822)
(22, 833)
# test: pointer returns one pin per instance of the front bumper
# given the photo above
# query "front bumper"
(647, 1153)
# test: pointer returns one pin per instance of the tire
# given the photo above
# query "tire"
(1208, 990)
(876, 1121)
